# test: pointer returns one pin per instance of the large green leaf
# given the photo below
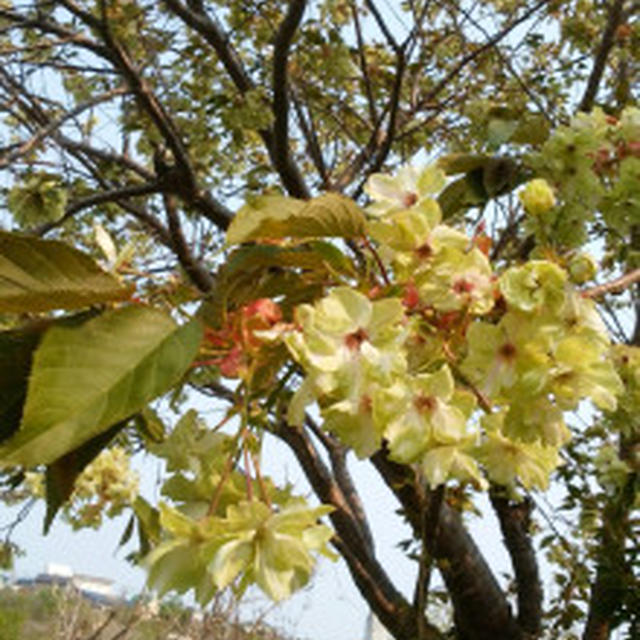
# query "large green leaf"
(87, 378)
(276, 217)
(40, 275)
(16, 353)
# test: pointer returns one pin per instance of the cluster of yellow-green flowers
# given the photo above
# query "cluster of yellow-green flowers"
(452, 367)
(469, 376)
(106, 487)
(214, 535)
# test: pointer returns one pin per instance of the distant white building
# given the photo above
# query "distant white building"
(98, 589)
(374, 630)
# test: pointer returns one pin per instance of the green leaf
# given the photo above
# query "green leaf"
(16, 352)
(455, 163)
(533, 128)
(40, 275)
(40, 198)
(148, 525)
(500, 131)
(459, 195)
(485, 177)
(298, 274)
(128, 531)
(61, 474)
(276, 217)
(87, 378)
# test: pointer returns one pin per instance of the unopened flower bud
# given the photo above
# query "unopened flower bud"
(582, 268)
(537, 197)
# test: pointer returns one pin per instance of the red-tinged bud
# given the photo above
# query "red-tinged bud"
(265, 309)
(374, 292)
(483, 242)
(447, 320)
(233, 363)
(411, 296)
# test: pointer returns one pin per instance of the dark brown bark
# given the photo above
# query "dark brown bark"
(391, 608)
(481, 609)
(607, 588)
(600, 60)
(195, 17)
(515, 521)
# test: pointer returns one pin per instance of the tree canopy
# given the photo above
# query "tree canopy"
(405, 231)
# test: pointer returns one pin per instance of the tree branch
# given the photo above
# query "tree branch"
(280, 156)
(606, 43)
(388, 604)
(475, 53)
(515, 521)
(197, 273)
(614, 286)
(42, 24)
(373, 113)
(311, 137)
(337, 456)
(481, 608)
(382, 25)
(49, 129)
(213, 34)
(112, 195)
(75, 146)
(608, 587)
(194, 17)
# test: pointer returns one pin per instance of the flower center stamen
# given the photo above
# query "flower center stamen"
(355, 339)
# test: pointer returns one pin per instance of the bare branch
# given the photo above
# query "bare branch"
(613, 570)
(47, 130)
(608, 39)
(475, 53)
(338, 457)
(614, 286)
(506, 61)
(373, 113)
(394, 102)
(389, 605)
(310, 135)
(47, 26)
(197, 273)
(151, 105)
(382, 25)
(280, 156)
(212, 33)
(75, 146)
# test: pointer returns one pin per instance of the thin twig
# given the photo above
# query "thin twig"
(614, 286)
